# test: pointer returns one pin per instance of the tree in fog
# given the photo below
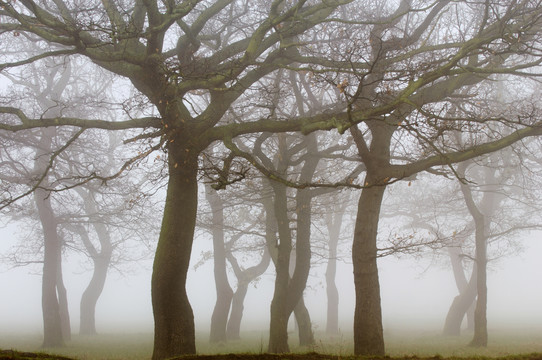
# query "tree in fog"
(334, 220)
(476, 218)
(413, 135)
(488, 202)
(172, 54)
(47, 89)
(70, 213)
(296, 160)
(236, 222)
(397, 66)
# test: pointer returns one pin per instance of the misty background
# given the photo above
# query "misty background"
(416, 293)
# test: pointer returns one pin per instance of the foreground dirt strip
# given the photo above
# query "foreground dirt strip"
(18, 355)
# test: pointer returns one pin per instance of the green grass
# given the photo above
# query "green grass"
(398, 344)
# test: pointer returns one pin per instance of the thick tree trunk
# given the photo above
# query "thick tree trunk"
(52, 322)
(368, 331)
(92, 293)
(174, 332)
(289, 291)
(280, 313)
(224, 292)
(303, 320)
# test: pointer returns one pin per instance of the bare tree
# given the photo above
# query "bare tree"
(403, 64)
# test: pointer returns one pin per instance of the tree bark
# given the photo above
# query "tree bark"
(174, 332)
(368, 331)
(224, 292)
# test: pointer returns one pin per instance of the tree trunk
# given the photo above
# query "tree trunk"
(460, 308)
(52, 323)
(92, 293)
(481, 224)
(174, 332)
(462, 303)
(333, 223)
(289, 291)
(224, 292)
(368, 331)
(278, 327)
(244, 278)
(63, 304)
(233, 328)
(101, 260)
(480, 312)
(303, 320)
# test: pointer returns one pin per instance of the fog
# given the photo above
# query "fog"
(416, 294)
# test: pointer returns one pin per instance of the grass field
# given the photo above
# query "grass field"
(398, 344)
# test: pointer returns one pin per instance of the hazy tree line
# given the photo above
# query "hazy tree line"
(282, 111)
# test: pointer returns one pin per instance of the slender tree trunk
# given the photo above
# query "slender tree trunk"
(224, 292)
(92, 293)
(52, 323)
(174, 332)
(244, 278)
(481, 224)
(463, 302)
(333, 223)
(303, 320)
(101, 260)
(332, 323)
(233, 329)
(460, 308)
(480, 312)
(63, 304)
(368, 331)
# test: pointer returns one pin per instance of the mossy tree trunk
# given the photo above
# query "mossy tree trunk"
(174, 332)
(368, 330)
